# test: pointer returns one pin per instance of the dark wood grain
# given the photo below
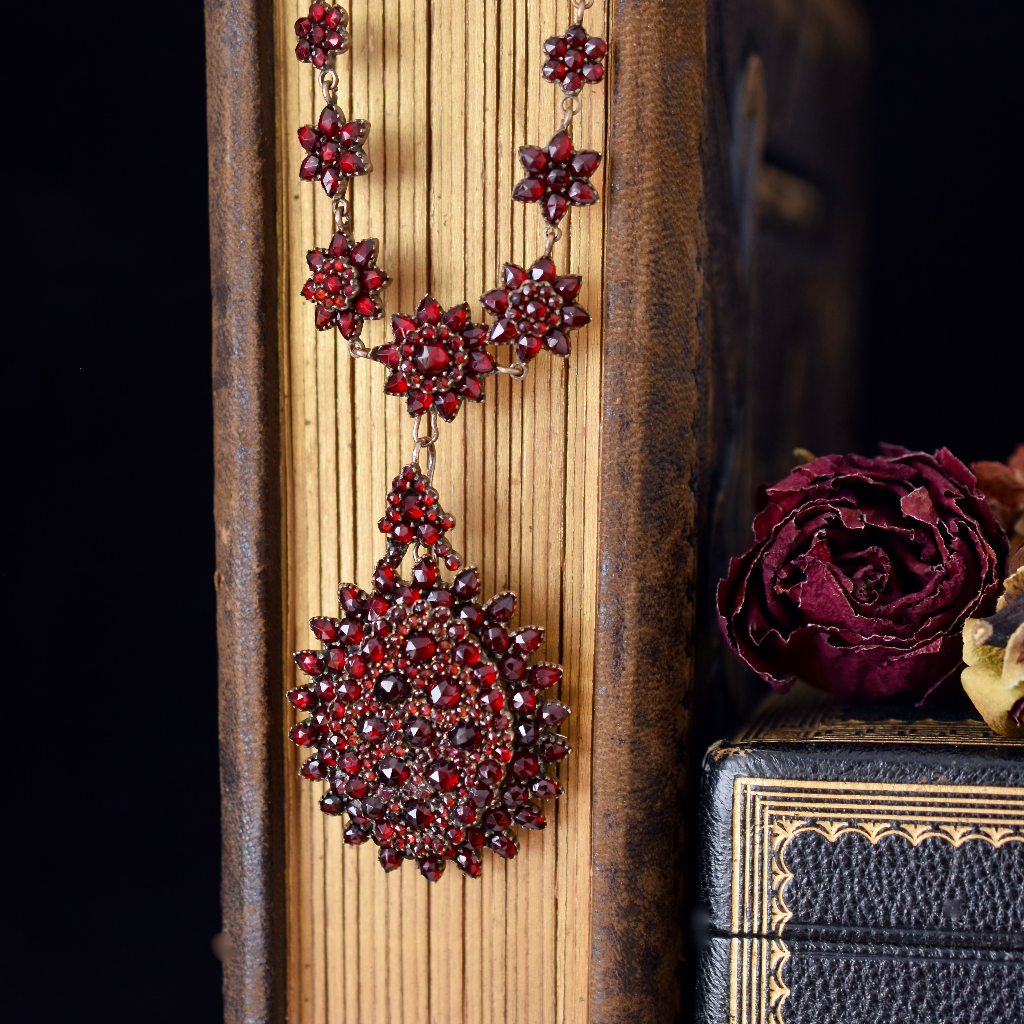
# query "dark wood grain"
(246, 503)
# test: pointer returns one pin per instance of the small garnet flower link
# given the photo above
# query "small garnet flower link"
(334, 149)
(574, 59)
(323, 32)
(535, 309)
(437, 358)
(345, 284)
(414, 515)
(556, 177)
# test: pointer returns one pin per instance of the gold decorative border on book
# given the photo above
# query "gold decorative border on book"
(768, 813)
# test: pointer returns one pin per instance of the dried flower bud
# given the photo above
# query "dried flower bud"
(994, 653)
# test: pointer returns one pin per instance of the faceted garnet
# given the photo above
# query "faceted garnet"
(535, 309)
(322, 33)
(334, 150)
(431, 740)
(557, 177)
(438, 359)
(345, 284)
(574, 59)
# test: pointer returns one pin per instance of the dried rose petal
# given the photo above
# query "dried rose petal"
(1003, 485)
(862, 574)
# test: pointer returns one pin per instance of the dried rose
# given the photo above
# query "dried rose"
(862, 573)
(994, 652)
(1003, 485)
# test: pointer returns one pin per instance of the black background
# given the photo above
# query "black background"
(108, 554)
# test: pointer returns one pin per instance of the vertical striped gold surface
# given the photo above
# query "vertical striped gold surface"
(451, 88)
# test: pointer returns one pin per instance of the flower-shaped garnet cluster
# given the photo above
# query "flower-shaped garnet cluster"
(556, 177)
(535, 309)
(433, 731)
(574, 59)
(437, 359)
(322, 33)
(334, 149)
(345, 284)
(415, 515)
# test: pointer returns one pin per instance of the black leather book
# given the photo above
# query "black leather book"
(861, 865)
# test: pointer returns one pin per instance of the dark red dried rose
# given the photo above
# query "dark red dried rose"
(862, 573)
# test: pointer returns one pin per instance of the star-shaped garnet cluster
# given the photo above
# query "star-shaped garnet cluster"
(438, 359)
(335, 150)
(434, 732)
(557, 176)
(322, 33)
(574, 59)
(415, 516)
(535, 309)
(345, 284)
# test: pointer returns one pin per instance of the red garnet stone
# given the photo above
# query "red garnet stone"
(334, 153)
(414, 729)
(557, 177)
(437, 359)
(415, 515)
(535, 309)
(345, 284)
(322, 33)
(574, 59)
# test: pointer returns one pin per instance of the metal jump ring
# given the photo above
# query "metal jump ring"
(581, 6)
(517, 370)
(330, 92)
(572, 105)
(551, 235)
(342, 213)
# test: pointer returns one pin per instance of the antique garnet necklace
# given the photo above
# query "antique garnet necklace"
(433, 730)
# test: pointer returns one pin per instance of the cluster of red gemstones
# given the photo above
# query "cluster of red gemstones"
(415, 516)
(322, 33)
(574, 59)
(437, 359)
(334, 149)
(557, 176)
(345, 285)
(426, 719)
(428, 722)
(535, 309)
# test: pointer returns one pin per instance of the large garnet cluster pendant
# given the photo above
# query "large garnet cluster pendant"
(435, 733)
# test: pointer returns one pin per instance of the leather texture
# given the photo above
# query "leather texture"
(877, 984)
(879, 931)
(656, 431)
(246, 503)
